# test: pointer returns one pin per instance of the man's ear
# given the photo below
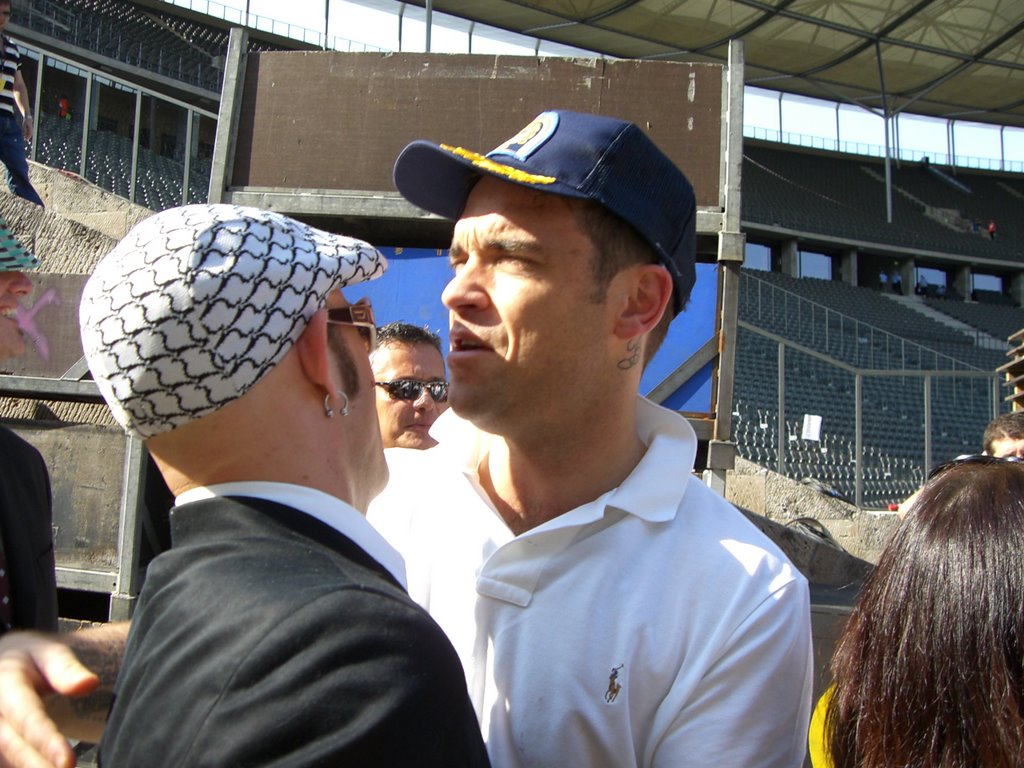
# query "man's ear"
(648, 290)
(313, 352)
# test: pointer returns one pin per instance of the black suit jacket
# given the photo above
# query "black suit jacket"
(26, 524)
(266, 638)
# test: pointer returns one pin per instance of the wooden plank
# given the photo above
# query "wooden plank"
(330, 120)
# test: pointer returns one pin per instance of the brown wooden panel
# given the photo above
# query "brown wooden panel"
(328, 120)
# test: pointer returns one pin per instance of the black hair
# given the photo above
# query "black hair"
(405, 333)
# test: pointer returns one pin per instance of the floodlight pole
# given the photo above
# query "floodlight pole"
(885, 123)
(327, 20)
(401, 21)
(430, 18)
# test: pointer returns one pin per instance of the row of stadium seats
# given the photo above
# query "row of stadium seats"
(892, 414)
(993, 319)
(887, 478)
(159, 179)
(856, 325)
(814, 386)
(146, 38)
(889, 474)
(976, 196)
(844, 196)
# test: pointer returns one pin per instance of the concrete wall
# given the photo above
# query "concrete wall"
(73, 200)
(863, 534)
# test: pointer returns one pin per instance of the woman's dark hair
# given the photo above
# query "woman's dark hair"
(928, 671)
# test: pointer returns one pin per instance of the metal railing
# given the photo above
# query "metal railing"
(837, 334)
(881, 429)
(878, 150)
(275, 26)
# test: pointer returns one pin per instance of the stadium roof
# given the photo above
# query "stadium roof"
(960, 59)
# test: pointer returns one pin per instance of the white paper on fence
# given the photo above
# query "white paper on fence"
(812, 427)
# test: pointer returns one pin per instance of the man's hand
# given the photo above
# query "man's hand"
(35, 666)
(26, 127)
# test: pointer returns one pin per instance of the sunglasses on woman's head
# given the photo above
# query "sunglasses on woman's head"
(973, 458)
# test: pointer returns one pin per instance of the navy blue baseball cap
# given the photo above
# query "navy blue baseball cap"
(588, 157)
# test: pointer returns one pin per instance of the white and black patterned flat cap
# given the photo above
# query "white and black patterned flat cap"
(198, 303)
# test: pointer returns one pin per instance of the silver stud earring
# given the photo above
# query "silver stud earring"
(344, 407)
(327, 406)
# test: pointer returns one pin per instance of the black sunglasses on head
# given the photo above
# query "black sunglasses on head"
(410, 389)
(360, 317)
(974, 458)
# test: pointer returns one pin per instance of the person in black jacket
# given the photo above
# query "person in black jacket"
(28, 586)
(26, 538)
(277, 630)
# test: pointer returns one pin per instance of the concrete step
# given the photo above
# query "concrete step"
(80, 223)
(979, 338)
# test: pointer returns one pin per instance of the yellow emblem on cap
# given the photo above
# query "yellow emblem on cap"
(486, 164)
(528, 134)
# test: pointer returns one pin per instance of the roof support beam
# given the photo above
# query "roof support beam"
(888, 151)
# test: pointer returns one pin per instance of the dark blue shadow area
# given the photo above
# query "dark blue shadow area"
(689, 332)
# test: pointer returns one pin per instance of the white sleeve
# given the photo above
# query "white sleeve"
(752, 707)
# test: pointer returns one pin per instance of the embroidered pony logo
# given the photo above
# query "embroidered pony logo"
(613, 685)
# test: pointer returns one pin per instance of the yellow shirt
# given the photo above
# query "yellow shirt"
(816, 743)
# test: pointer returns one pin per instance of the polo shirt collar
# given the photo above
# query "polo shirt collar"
(652, 490)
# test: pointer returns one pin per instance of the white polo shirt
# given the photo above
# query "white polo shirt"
(654, 626)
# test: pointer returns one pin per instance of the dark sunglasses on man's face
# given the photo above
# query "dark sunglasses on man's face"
(411, 389)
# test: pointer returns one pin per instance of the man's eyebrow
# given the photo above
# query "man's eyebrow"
(510, 245)
(515, 245)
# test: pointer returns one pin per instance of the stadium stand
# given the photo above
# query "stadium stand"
(995, 320)
(158, 41)
(109, 164)
(858, 327)
(844, 196)
(60, 142)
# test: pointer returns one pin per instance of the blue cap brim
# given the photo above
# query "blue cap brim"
(433, 179)
(439, 178)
